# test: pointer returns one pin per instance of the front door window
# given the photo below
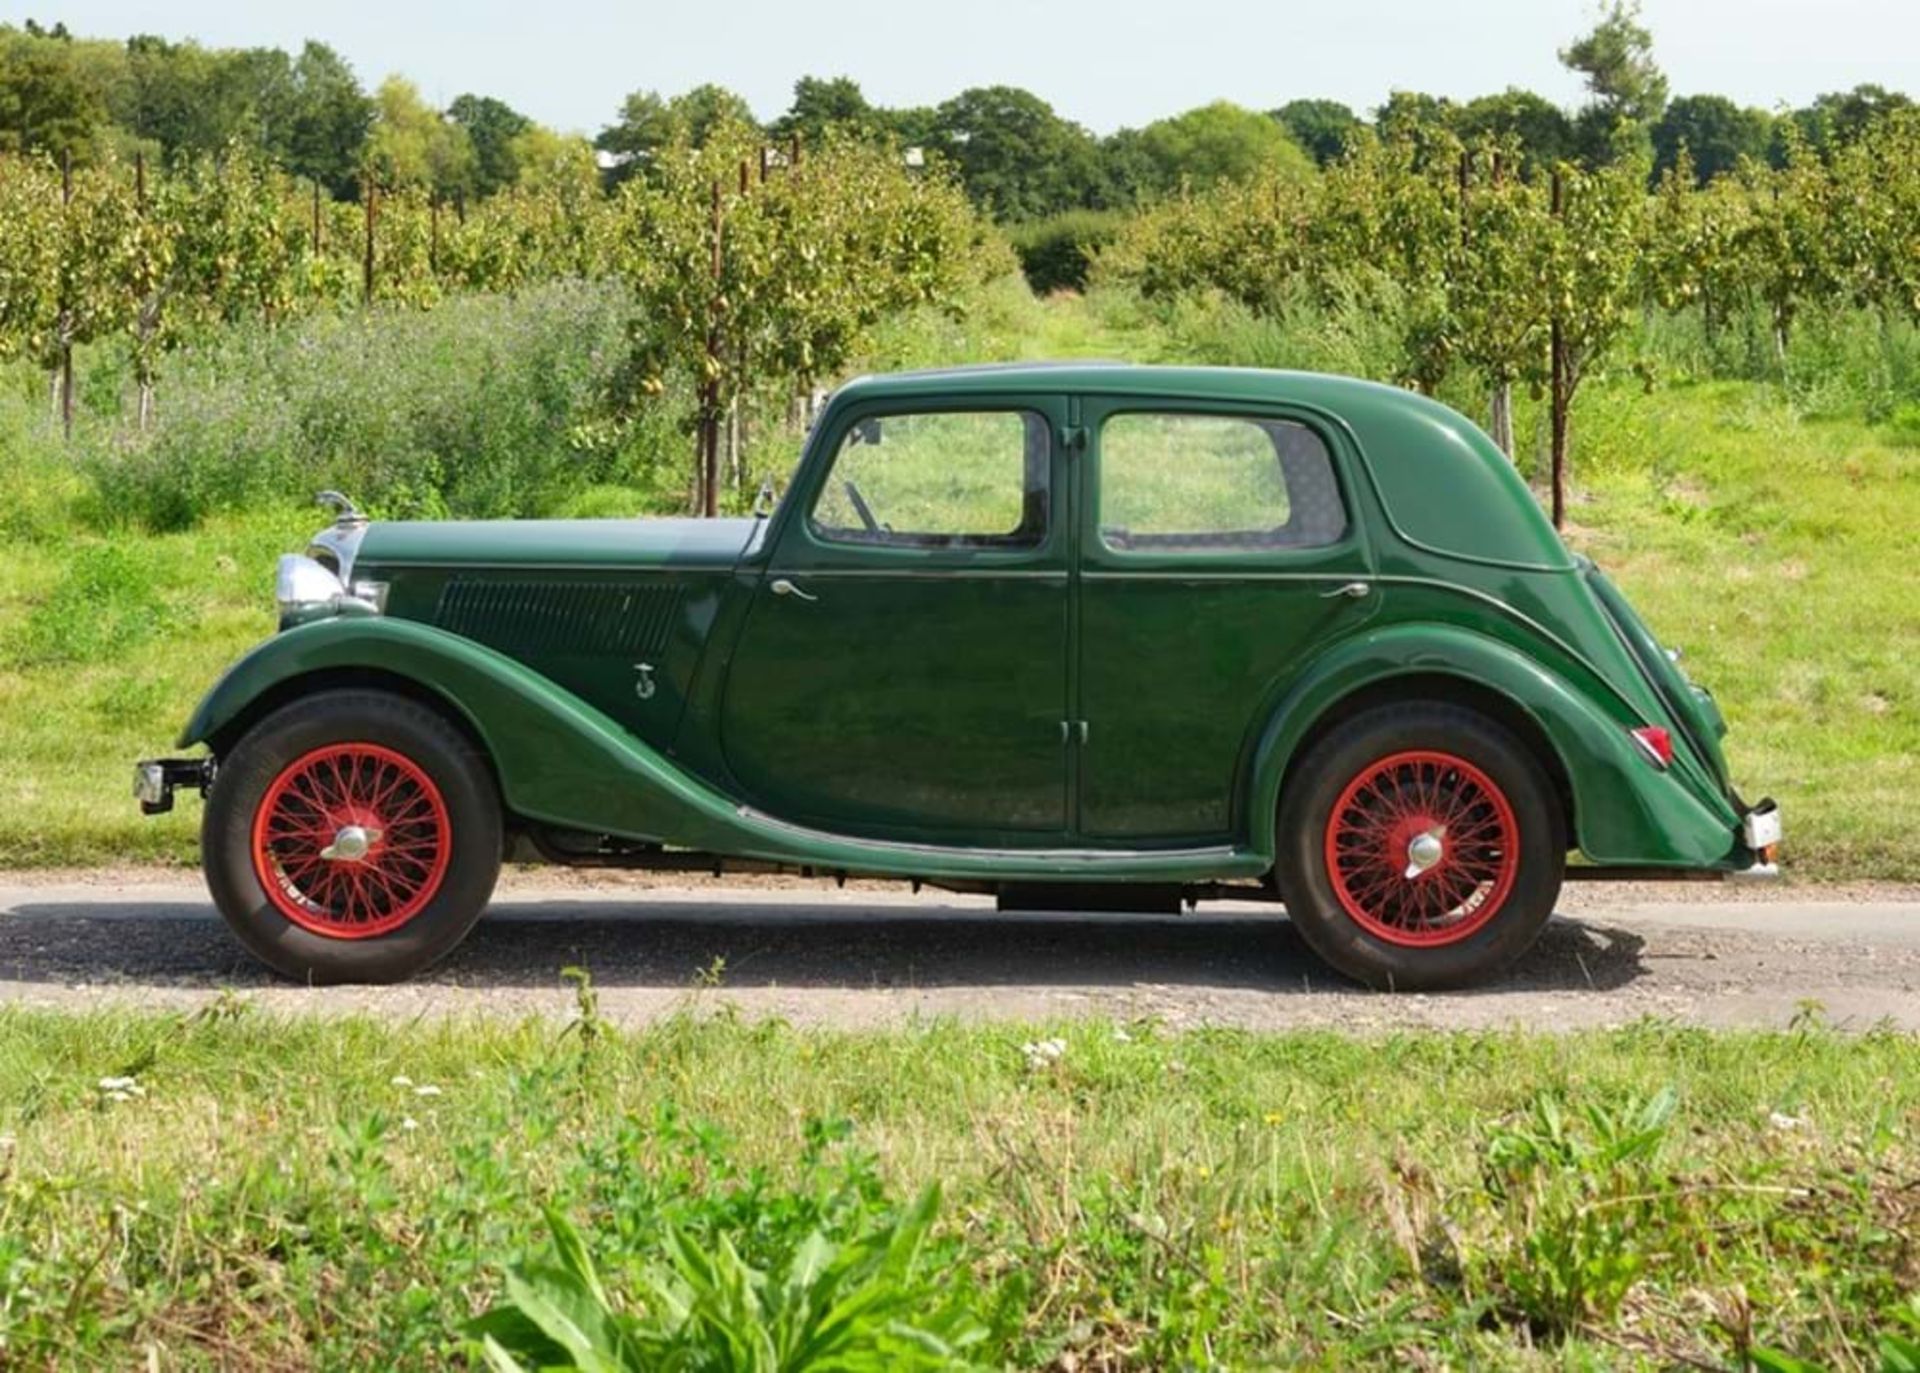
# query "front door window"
(958, 479)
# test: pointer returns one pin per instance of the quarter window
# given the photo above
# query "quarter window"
(1186, 483)
(939, 479)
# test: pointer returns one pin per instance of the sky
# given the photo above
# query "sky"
(1105, 63)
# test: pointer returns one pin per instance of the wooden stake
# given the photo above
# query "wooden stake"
(147, 317)
(66, 314)
(1465, 173)
(367, 196)
(1557, 361)
(710, 383)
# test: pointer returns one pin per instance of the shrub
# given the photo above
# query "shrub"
(475, 409)
(1056, 252)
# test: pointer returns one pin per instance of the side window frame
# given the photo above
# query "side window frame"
(1349, 550)
(798, 545)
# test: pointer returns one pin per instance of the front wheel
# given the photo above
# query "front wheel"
(352, 836)
(1419, 846)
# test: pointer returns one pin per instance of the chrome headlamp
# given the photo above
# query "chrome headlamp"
(319, 583)
(307, 590)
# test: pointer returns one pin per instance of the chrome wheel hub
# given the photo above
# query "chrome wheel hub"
(350, 844)
(1424, 850)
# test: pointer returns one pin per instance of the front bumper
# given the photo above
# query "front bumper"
(155, 778)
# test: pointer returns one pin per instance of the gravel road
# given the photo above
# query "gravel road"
(872, 955)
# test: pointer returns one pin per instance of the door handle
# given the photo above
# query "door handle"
(783, 587)
(1353, 589)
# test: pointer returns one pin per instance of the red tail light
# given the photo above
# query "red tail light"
(1656, 743)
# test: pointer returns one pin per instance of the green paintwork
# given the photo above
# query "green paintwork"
(1060, 711)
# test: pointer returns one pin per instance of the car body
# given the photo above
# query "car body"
(1051, 631)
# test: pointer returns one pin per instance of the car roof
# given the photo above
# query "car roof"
(1101, 376)
(1445, 485)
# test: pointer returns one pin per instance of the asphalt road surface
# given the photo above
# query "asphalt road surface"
(816, 954)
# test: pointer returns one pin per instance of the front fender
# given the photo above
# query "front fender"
(562, 762)
(1625, 812)
(559, 760)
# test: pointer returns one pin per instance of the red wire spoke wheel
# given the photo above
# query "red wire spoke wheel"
(1422, 849)
(351, 841)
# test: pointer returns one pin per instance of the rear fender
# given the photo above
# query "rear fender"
(1624, 811)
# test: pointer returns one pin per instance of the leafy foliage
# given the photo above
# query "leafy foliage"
(866, 1305)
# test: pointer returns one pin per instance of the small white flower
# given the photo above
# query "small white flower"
(426, 1089)
(1120, 1035)
(1784, 1122)
(409, 1123)
(399, 1080)
(120, 1089)
(1043, 1053)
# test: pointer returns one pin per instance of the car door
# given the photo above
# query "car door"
(1218, 552)
(902, 667)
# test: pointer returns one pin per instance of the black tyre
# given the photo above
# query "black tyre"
(1419, 846)
(352, 836)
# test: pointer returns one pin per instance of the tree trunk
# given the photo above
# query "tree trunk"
(1561, 387)
(708, 480)
(66, 391)
(696, 496)
(1500, 420)
(733, 444)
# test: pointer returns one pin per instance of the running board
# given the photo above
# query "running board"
(910, 858)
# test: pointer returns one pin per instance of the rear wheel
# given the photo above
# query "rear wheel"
(1419, 846)
(353, 836)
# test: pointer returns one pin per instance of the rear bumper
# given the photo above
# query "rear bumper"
(155, 778)
(1752, 860)
(1760, 828)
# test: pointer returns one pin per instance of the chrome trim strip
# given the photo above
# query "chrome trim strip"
(1137, 856)
(489, 568)
(1216, 574)
(931, 574)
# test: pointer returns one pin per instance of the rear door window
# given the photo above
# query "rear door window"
(1173, 482)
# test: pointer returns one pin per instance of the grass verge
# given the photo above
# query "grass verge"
(231, 1189)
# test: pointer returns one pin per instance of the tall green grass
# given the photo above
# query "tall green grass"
(231, 1190)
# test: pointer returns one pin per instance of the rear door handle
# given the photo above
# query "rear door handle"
(783, 587)
(1353, 589)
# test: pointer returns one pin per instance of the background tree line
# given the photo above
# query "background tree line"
(162, 190)
(1018, 158)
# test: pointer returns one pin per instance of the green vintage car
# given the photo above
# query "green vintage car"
(1108, 636)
